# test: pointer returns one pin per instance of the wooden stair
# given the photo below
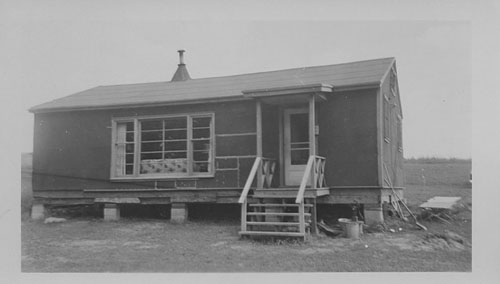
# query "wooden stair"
(274, 213)
(282, 211)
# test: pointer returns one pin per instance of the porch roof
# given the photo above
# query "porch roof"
(346, 75)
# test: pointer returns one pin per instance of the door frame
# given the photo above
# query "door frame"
(284, 149)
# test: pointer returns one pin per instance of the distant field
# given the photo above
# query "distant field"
(426, 178)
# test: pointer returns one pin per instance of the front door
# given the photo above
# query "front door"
(296, 144)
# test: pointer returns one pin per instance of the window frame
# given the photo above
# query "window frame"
(137, 148)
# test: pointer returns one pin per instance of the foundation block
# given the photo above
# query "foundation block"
(179, 213)
(37, 212)
(111, 212)
(373, 214)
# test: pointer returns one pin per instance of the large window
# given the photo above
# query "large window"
(157, 147)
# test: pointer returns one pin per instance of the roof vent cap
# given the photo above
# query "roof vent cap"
(181, 74)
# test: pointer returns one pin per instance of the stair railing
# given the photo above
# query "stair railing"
(251, 177)
(315, 168)
(265, 168)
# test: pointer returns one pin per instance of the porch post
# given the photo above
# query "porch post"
(259, 127)
(312, 135)
(258, 108)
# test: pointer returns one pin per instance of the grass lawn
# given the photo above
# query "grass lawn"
(88, 244)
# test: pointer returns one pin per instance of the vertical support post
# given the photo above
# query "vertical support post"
(314, 218)
(258, 108)
(281, 148)
(244, 216)
(312, 137)
(302, 221)
(312, 126)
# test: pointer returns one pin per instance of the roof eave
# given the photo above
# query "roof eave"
(288, 90)
(136, 105)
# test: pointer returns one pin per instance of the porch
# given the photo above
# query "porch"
(287, 177)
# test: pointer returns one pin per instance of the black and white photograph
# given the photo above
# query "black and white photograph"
(266, 142)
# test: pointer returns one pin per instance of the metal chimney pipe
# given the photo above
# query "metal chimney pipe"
(181, 56)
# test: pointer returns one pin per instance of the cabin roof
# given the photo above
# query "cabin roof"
(344, 75)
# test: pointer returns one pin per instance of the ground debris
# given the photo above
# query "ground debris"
(330, 230)
(54, 220)
(445, 240)
(377, 228)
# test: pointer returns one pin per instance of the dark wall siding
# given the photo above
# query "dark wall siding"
(348, 138)
(270, 131)
(271, 138)
(243, 145)
(72, 150)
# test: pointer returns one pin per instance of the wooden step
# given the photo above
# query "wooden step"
(275, 223)
(275, 234)
(293, 205)
(276, 214)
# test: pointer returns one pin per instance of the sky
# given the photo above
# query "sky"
(51, 51)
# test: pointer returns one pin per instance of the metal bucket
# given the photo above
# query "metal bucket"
(352, 229)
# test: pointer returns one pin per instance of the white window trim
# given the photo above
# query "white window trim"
(137, 144)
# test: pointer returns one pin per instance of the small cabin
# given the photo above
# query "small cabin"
(278, 143)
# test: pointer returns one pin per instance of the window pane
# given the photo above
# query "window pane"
(201, 121)
(130, 126)
(130, 148)
(151, 156)
(299, 157)
(130, 137)
(177, 145)
(129, 169)
(151, 147)
(124, 149)
(175, 155)
(201, 133)
(152, 135)
(175, 134)
(299, 127)
(130, 159)
(201, 145)
(201, 167)
(176, 123)
(200, 156)
(151, 125)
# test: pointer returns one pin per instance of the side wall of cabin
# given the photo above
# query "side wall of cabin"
(392, 130)
(72, 150)
(348, 138)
